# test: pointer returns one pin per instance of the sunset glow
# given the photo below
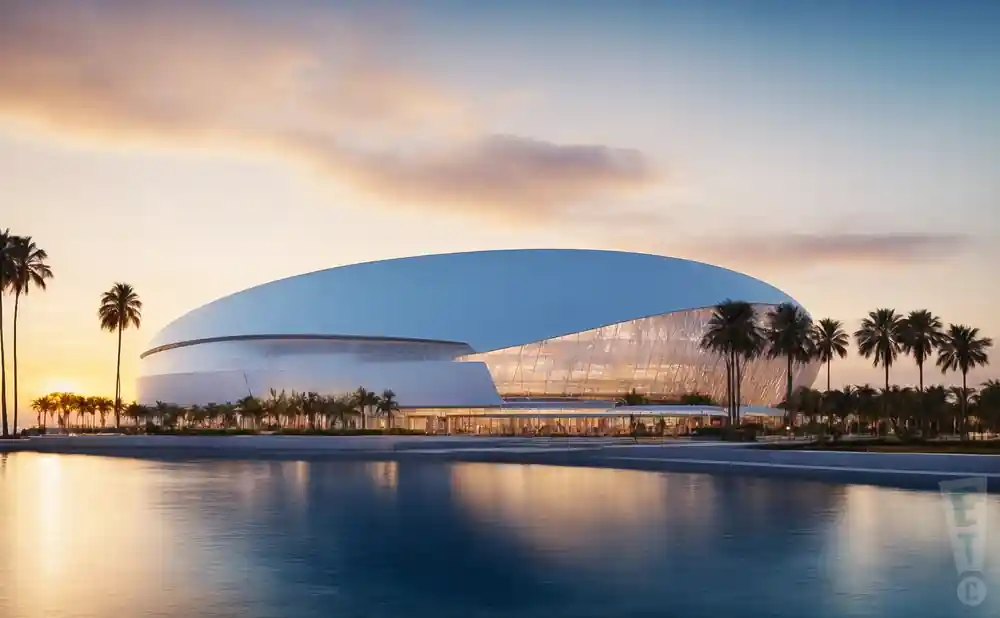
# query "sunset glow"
(196, 149)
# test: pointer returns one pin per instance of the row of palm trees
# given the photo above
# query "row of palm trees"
(280, 410)
(23, 267)
(929, 411)
(739, 334)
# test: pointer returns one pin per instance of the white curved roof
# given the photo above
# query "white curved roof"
(487, 299)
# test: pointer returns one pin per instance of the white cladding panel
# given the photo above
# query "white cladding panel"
(423, 384)
(489, 299)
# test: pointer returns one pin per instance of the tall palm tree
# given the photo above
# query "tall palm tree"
(920, 335)
(363, 399)
(734, 333)
(962, 349)
(879, 339)
(789, 336)
(28, 270)
(6, 275)
(830, 341)
(387, 405)
(120, 308)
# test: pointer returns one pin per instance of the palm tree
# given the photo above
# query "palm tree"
(896, 403)
(66, 403)
(879, 339)
(959, 398)
(103, 405)
(867, 402)
(830, 340)
(364, 398)
(120, 308)
(311, 405)
(210, 412)
(251, 408)
(789, 336)
(733, 332)
(44, 406)
(136, 411)
(806, 401)
(87, 406)
(6, 275)
(387, 406)
(841, 404)
(275, 406)
(28, 270)
(227, 415)
(989, 402)
(934, 406)
(920, 335)
(339, 408)
(962, 349)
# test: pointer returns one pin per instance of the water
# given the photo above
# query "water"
(102, 537)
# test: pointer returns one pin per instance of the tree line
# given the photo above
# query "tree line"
(736, 331)
(739, 333)
(279, 410)
(23, 267)
(908, 411)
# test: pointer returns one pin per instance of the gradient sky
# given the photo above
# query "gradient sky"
(845, 151)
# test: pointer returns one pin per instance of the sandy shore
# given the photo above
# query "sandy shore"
(904, 470)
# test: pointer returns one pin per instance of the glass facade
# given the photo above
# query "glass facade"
(659, 356)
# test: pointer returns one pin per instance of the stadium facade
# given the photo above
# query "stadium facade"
(495, 334)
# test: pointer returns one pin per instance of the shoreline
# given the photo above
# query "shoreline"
(901, 470)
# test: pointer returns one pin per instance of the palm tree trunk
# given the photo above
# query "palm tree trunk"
(118, 378)
(735, 395)
(17, 297)
(730, 391)
(3, 371)
(965, 399)
(788, 392)
(739, 389)
(828, 375)
(885, 395)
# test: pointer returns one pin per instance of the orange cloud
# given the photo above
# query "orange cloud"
(799, 250)
(309, 84)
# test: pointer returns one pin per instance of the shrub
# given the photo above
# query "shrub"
(747, 433)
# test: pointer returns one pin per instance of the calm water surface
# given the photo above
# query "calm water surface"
(88, 536)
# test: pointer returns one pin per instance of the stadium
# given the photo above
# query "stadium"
(491, 341)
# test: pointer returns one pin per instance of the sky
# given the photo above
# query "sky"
(845, 152)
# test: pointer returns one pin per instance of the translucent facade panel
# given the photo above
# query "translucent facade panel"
(659, 356)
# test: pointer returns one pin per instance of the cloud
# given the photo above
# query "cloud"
(305, 83)
(494, 173)
(800, 250)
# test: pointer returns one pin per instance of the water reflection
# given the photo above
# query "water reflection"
(86, 536)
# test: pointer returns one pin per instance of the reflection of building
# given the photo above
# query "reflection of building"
(461, 334)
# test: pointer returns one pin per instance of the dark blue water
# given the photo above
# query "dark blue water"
(85, 536)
